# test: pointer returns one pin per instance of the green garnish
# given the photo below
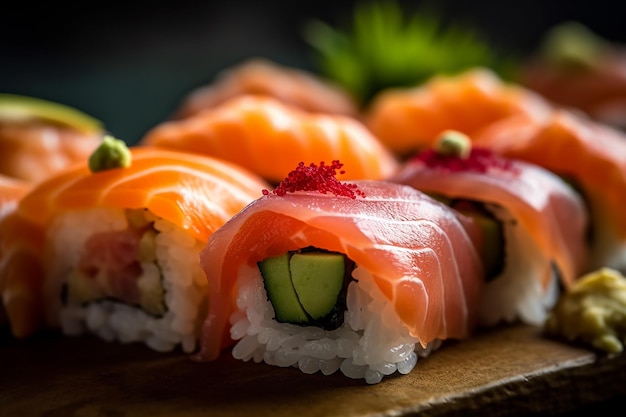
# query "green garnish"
(112, 153)
(572, 44)
(454, 143)
(592, 312)
(390, 47)
(17, 108)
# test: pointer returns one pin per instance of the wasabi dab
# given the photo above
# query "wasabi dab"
(112, 153)
(453, 143)
(592, 312)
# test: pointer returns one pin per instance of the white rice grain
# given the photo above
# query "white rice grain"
(95, 318)
(245, 348)
(286, 357)
(349, 369)
(73, 321)
(408, 364)
(324, 348)
(160, 345)
(330, 366)
(372, 376)
(308, 364)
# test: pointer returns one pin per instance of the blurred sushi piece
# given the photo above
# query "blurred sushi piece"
(589, 155)
(577, 69)
(270, 137)
(408, 120)
(39, 138)
(517, 123)
(534, 224)
(263, 77)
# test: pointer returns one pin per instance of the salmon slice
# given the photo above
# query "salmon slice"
(408, 120)
(263, 77)
(540, 222)
(270, 138)
(195, 192)
(420, 254)
(590, 154)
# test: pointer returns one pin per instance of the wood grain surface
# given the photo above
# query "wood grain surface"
(513, 371)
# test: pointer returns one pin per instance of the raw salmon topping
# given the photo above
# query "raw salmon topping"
(322, 178)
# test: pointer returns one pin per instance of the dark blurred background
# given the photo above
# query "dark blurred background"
(130, 65)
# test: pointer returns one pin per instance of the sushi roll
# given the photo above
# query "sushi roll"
(577, 69)
(260, 76)
(409, 120)
(534, 224)
(39, 138)
(122, 239)
(253, 130)
(362, 277)
(20, 271)
(589, 155)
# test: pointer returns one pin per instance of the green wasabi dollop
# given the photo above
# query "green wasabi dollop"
(592, 312)
(453, 143)
(112, 153)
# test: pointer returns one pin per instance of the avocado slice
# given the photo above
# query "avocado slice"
(306, 287)
(492, 251)
(317, 278)
(15, 107)
(280, 290)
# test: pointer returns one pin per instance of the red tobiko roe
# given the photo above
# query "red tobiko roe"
(322, 178)
(479, 160)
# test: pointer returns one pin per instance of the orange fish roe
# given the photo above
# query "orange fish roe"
(322, 178)
(479, 160)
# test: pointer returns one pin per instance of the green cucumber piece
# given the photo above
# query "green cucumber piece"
(280, 290)
(317, 278)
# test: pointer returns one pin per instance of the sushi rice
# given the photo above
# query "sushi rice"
(177, 268)
(370, 344)
(514, 296)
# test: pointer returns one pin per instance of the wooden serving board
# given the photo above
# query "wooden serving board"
(513, 371)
